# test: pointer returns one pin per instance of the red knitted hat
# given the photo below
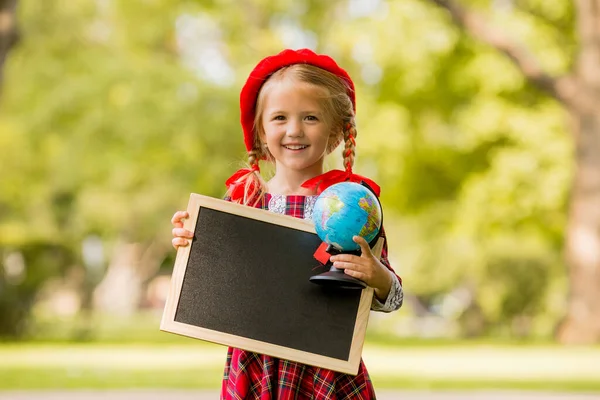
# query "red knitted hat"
(270, 65)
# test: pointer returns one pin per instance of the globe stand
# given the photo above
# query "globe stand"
(335, 277)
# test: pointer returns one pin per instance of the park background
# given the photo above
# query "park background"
(479, 119)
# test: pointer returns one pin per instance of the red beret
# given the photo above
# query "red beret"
(267, 67)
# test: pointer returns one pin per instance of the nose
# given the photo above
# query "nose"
(294, 128)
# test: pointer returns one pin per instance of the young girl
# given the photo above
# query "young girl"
(296, 107)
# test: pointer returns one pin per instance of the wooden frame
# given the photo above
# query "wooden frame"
(170, 324)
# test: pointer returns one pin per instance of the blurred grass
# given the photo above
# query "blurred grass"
(107, 378)
(143, 328)
(131, 353)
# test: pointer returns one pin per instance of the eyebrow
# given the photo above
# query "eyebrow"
(277, 111)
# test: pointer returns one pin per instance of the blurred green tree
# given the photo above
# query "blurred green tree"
(25, 272)
(578, 90)
(9, 32)
(104, 131)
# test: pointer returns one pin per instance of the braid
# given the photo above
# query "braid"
(349, 145)
(255, 187)
(253, 157)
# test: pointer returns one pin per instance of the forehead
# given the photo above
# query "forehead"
(291, 91)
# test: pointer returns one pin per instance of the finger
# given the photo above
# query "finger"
(179, 242)
(357, 270)
(178, 216)
(345, 257)
(182, 233)
(346, 265)
(356, 274)
(364, 246)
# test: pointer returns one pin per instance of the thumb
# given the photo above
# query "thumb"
(364, 246)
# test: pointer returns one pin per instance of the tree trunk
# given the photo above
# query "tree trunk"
(582, 247)
(8, 29)
(122, 289)
(582, 323)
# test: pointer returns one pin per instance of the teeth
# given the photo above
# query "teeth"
(298, 147)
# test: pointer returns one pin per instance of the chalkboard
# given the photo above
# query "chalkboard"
(243, 282)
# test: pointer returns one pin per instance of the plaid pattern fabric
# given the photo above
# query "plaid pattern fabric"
(259, 377)
(256, 376)
(292, 205)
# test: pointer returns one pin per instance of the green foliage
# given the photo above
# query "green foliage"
(19, 286)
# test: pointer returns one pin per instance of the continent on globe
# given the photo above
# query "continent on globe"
(374, 216)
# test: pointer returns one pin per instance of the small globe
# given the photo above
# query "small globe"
(345, 210)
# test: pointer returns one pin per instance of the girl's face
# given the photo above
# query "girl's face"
(296, 128)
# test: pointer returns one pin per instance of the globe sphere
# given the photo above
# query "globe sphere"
(345, 210)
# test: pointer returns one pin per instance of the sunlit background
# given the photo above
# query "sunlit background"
(114, 111)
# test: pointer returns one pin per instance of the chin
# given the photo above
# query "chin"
(298, 166)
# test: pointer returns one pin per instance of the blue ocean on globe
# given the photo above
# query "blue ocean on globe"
(345, 210)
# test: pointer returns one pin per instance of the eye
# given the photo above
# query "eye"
(311, 118)
(279, 118)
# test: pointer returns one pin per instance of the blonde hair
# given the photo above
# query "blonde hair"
(339, 112)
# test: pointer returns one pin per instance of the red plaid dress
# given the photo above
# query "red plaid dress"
(251, 375)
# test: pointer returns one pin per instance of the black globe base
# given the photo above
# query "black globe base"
(336, 278)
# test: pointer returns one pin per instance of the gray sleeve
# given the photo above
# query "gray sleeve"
(394, 299)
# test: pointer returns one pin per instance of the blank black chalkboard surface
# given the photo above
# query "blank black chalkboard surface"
(243, 282)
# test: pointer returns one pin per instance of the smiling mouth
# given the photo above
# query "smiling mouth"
(295, 147)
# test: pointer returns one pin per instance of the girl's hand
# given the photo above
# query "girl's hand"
(367, 268)
(180, 235)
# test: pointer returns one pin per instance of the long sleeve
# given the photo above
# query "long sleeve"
(396, 295)
(394, 299)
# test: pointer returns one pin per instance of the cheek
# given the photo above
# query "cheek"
(266, 134)
(270, 136)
